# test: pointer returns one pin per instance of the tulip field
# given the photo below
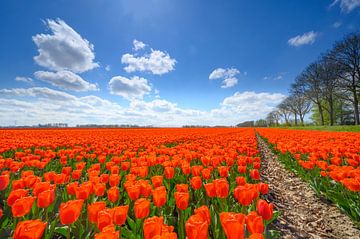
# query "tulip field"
(132, 183)
(161, 183)
(329, 161)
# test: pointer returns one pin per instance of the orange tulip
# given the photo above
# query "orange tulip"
(120, 214)
(22, 206)
(4, 181)
(233, 224)
(141, 208)
(196, 182)
(133, 191)
(181, 200)
(113, 194)
(265, 209)
(206, 173)
(223, 171)
(94, 209)
(182, 188)
(169, 172)
(15, 195)
(33, 229)
(254, 174)
(114, 180)
(263, 188)
(196, 227)
(204, 212)
(152, 227)
(157, 181)
(246, 194)
(210, 189)
(254, 223)
(71, 188)
(107, 235)
(256, 236)
(221, 187)
(99, 189)
(104, 218)
(70, 211)
(45, 198)
(159, 196)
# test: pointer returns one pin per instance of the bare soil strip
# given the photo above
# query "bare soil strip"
(302, 213)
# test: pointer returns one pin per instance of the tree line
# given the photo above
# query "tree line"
(328, 89)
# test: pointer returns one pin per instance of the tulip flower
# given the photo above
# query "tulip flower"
(94, 209)
(221, 187)
(120, 214)
(141, 208)
(181, 200)
(182, 188)
(22, 206)
(113, 194)
(45, 198)
(254, 223)
(256, 236)
(196, 227)
(169, 172)
(159, 196)
(233, 224)
(265, 209)
(254, 174)
(114, 180)
(152, 227)
(157, 181)
(70, 211)
(133, 191)
(15, 195)
(210, 189)
(196, 182)
(4, 182)
(29, 229)
(99, 189)
(104, 218)
(204, 212)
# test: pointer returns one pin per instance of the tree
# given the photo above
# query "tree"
(284, 111)
(346, 55)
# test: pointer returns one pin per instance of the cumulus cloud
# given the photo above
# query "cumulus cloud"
(138, 45)
(134, 88)
(39, 92)
(346, 5)
(107, 68)
(24, 79)
(31, 106)
(64, 49)
(65, 80)
(228, 75)
(157, 62)
(304, 39)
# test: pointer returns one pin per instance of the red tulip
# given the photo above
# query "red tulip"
(94, 209)
(233, 224)
(196, 182)
(113, 194)
(196, 227)
(210, 189)
(70, 211)
(120, 214)
(152, 227)
(204, 212)
(181, 200)
(33, 229)
(45, 198)
(141, 208)
(254, 223)
(4, 181)
(159, 196)
(265, 209)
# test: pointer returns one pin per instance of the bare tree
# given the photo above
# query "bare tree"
(273, 118)
(346, 55)
(309, 84)
(284, 111)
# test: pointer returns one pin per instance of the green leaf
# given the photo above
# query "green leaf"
(131, 223)
(62, 230)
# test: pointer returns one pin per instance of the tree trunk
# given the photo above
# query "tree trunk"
(321, 114)
(331, 110)
(296, 120)
(356, 108)
(302, 119)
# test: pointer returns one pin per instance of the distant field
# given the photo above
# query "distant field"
(346, 128)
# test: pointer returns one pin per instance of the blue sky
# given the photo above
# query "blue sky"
(159, 62)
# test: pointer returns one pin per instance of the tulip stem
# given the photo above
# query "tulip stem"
(181, 225)
(68, 232)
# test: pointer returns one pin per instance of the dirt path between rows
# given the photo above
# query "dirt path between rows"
(302, 213)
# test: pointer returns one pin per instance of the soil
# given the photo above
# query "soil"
(302, 213)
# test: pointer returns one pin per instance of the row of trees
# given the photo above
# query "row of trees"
(329, 88)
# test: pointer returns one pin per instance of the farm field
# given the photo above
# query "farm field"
(132, 183)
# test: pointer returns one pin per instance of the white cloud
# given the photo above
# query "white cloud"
(278, 76)
(337, 24)
(64, 49)
(304, 39)
(228, 76)
(65, 80)
(24, 79)
(346, 5)
(31, 106)
(134, 88)
(157, 62)
(138, 45)
(39, 92)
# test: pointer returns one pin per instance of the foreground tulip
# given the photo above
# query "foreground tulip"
(256, 236)
(104, 218)
(221, 187)
(265, 209)
(120, 214)
(113, 194)
(15, 195)
(254, 223)
(233, 224)
(70, 211)
(181, 200)
(196, 227)
(159, 196)
(157, 181)
(169, 172)
(141, 208)
(196, 182)
(22, 206)
(45, 198)
(30, 229)
(4, 181)
(254, 174)
(152, 227)
(94, 209)
(204, 212)
(210, 189)
(182, 188)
